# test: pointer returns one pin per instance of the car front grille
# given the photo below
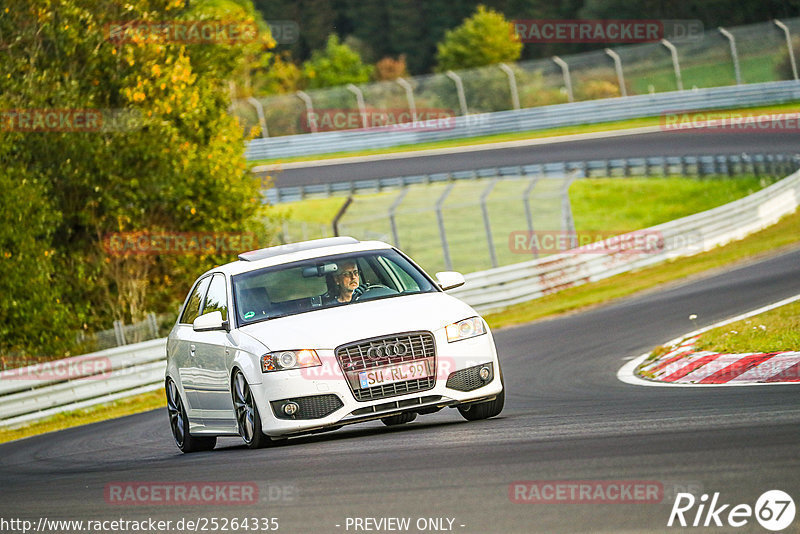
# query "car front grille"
(383, 351)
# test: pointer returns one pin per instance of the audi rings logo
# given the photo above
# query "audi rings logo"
(376, 352)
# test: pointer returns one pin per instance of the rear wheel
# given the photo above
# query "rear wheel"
(247, 416)
(399, 419)
(179, 424)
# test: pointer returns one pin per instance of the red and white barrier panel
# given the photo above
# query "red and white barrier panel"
(684, 365)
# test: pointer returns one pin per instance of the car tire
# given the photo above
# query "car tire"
(486, 409)
(179, 424)
(248, 420)
(399, 419)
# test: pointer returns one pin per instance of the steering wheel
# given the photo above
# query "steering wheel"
(373, 290)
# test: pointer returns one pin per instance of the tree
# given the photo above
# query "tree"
(483, 39)
(175, 165)
(337, 64)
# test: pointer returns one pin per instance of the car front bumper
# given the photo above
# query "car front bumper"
(326, 400)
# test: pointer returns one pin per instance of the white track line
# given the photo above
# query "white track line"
(627, 372)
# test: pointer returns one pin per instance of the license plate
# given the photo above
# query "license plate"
(393, 373)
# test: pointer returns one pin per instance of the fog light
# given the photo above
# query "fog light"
(290, 408)
(484, 373)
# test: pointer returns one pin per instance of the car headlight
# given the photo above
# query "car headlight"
(465, 329)
(289, 359)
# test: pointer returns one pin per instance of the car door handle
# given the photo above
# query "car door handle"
(192, 348)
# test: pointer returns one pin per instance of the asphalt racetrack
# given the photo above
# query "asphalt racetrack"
(683, 143)
(567, 418)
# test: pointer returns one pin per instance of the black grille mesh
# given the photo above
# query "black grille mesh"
(313, 407)
(468, 379)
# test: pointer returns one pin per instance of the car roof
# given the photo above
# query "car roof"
(291, 252)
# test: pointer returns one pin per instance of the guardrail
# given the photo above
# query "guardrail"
(538, 118)
(704, 165)
(49, 388)
(133, 369)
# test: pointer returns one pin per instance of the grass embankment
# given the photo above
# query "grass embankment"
(513, 136)
(772, 331)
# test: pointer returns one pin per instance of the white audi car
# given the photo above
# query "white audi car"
(311, 336)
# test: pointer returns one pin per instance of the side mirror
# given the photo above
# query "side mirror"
(450, 279)
(210, 321)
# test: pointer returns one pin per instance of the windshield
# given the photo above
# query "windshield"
(325, 282)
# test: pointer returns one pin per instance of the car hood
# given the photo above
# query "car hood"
(331, 327)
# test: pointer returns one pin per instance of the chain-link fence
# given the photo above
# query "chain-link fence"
(718, 57)
(153, 327)
(466, 222)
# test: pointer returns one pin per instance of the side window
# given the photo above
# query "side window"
(192, 309)
(217, 297)
(407, 283)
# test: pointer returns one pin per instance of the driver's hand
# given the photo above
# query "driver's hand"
(357, 292)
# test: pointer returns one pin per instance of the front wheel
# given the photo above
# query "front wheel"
(247, 416)
(399, 419)
(487, 409)
(179, 424)
(484, 410)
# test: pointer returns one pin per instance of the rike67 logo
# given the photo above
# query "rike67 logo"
(774, 510)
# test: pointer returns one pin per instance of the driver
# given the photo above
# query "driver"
(346, 279)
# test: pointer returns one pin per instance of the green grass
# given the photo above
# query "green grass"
(606, 206)
(754, 69)
(772, 331)
(512, 136)
(122, 407)
(781, 236)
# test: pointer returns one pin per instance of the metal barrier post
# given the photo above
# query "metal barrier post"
(675, 65)
(462, 99)
(512, 85)
(302, 95)
(785, 29)
(262, 119)
(568, 223)
(486, 223)
(153, 324)
(119, 333)
(729, 36)
(392, 211)
(567, 78)
(440, 220)
(362, 108)
(526, 199)
(618, 67)
(340, 214)
(412, 106)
